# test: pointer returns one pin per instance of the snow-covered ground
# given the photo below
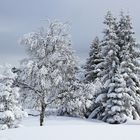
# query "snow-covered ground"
(64, 128)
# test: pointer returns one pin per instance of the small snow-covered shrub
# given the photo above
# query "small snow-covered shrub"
(4, 127)
(79, 102)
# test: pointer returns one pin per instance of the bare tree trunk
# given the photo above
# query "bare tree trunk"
(42, 113)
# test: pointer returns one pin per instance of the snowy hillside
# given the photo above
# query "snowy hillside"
(63, 128)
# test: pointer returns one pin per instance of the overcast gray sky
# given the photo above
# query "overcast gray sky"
(18, 17)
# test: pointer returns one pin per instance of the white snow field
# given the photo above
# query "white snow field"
(65, 128)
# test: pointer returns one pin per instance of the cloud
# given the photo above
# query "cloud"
(86, 16)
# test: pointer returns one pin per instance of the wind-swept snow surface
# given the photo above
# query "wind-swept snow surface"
(62, 128)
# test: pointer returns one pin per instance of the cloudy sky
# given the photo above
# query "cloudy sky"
(18, 17)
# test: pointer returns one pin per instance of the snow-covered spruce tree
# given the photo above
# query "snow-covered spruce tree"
(107, 101)
(129, 64)
(50, 68)
(117, 101)
(10, 109)
(91, 72)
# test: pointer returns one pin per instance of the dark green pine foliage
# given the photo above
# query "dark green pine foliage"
(93, 60)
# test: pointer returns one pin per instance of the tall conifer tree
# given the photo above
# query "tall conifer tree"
(93, 60)
(129, 65)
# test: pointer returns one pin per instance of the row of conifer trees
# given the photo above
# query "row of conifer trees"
(114, 61)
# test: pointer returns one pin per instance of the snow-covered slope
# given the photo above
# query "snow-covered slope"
(63, 128)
